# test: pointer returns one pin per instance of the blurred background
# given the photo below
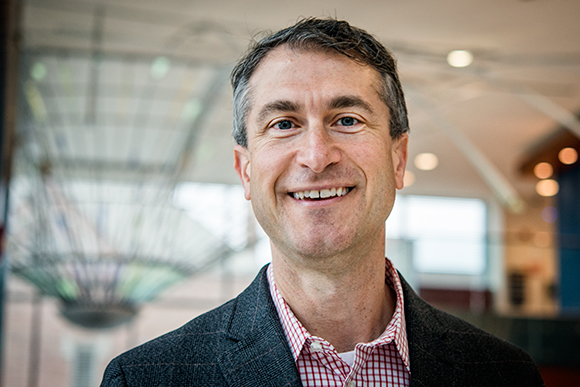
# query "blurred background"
(122, 217)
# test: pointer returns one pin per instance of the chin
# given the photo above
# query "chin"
(321, 248)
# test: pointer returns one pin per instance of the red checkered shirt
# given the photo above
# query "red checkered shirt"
(382, 362)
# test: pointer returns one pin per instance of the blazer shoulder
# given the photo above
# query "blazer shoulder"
(425, 320)
(190, 350)
(475, 356)
(474, 342)
(487, 357)
(201, 333)
(192, 353)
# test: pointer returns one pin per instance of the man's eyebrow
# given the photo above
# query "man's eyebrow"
(276, 107)
(349, 101)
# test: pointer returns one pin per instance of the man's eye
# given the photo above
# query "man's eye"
(284, 125)
(347, 121)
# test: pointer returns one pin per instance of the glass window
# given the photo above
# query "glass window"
(447, 234)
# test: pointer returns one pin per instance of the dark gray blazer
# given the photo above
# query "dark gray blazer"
(241, 343)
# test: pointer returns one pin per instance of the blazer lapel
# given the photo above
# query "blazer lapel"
(255, 350)
(433, 361)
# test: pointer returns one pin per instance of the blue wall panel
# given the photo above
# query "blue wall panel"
(569, 239)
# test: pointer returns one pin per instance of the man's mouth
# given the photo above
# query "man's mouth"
(320, 194)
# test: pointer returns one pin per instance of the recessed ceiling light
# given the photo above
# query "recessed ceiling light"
(568, 156)
(409, 179)
(460, 58)
(543, 170)
(426, 161)
(547, 187)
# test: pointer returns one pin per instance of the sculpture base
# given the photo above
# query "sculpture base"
(98, 316)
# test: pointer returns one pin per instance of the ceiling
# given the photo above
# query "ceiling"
(103, 96)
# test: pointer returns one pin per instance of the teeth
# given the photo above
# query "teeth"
(323, 194)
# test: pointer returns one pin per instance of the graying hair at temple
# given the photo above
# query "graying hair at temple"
(321, 35)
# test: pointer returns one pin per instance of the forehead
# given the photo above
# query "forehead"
(285, 66)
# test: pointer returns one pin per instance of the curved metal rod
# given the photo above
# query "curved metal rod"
(549, 108)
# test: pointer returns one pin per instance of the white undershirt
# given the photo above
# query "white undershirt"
(348, 357)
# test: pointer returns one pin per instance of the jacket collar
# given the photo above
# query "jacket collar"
(433, 360)
(255, 350)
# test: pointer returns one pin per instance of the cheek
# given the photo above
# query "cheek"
(376, 163)
(381, 179)
(266, 170)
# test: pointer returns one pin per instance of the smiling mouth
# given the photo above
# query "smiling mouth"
(320, 194)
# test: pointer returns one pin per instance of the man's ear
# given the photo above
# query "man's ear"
(400, 159)
(242, 167)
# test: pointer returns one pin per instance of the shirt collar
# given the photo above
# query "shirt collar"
(396, 330)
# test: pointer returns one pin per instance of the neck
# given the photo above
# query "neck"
(344, 304)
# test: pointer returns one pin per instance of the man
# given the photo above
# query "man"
(321, 126)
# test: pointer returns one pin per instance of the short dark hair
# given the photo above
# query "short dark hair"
(321, 34)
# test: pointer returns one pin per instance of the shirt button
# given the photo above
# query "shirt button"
(316, 347)
(352, 383)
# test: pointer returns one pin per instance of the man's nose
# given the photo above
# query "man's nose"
(318, 149)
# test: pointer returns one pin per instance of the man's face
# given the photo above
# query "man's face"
(318, 127)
